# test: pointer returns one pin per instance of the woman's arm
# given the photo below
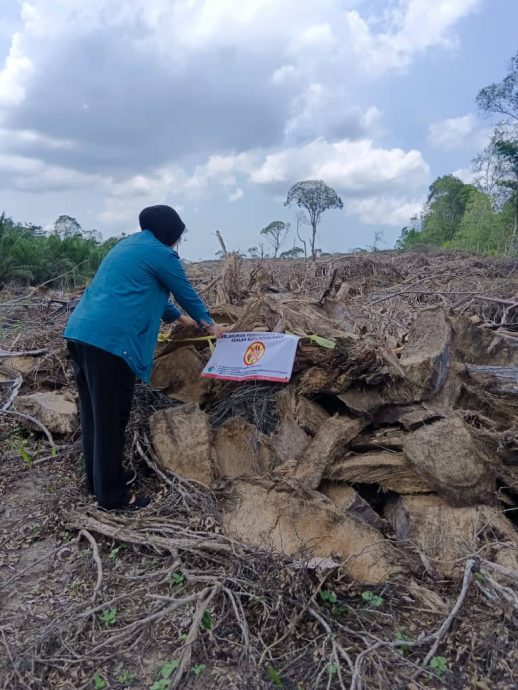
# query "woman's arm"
(172, 274)
(171, 313)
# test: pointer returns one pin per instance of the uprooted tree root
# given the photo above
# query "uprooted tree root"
(168, 586)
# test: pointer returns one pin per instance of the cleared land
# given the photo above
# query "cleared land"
(354, 529)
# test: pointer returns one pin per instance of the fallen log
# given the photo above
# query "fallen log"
(390, 471)
(181, 438)
(447, 456)
(498, 379)
(444, 535)
(273, 516)
(327, 447)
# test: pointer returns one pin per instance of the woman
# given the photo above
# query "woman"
(111, 336)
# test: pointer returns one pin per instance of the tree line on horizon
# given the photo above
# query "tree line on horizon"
(481, 216)
(67, 254)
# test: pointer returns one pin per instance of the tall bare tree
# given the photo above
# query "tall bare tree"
(490, 167)
(275, 234)
(502, 98)
(301, 219)
(315, 196)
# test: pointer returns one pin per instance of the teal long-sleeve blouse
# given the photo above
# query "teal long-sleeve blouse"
(120, 311)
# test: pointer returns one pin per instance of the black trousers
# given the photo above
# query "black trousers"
(106, 385)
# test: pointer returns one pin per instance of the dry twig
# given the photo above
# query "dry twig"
(446, 624)
(95, 555)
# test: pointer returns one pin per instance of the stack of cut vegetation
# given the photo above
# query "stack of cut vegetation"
(385, 470)
(371, 452)
(412, 414)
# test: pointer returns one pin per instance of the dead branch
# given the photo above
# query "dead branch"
(222, 242)
(500, 569)
(16, 384)
(24, 353)
(95, 555)
(204, 544)
(34, 421)
(125, 633)
(399, 292)
(240, 617)
(468, 574)
(329, 287)
(436, 637)
(475, 295)
(339, 650)
(35, 290)
(204, 599)
(265, 603)
(495, 591)
(13, 662)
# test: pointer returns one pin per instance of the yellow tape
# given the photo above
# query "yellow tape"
(317, 339)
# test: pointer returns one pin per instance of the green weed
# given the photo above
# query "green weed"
(115, 552)
(206, 620)
(126, 677)
(439, 664)
(98, 682)
(403, 637)
(163, 682)
(198, 669)
(372, 599)
(108, 617)
(274, 676)
(177, 579)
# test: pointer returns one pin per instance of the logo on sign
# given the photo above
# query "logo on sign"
(254, 352)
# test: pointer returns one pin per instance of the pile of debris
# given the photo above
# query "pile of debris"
(396, 450)
(282, 515)
(389, 460)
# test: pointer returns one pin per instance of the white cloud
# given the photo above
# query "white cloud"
(17, 68)
(374, 182)
(244, 71)
(452, 132)
(153, 100)
(236, 195)
(467, 175)
(25, 174)
(411, 27)
(322, 110)
(458, 132)
(351, 166)
(377, 185)
(29, 139)
(385, 210)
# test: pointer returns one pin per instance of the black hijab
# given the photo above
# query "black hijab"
(163, 221)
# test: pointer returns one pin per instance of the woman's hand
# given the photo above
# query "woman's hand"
(215, 329)
(185, 321)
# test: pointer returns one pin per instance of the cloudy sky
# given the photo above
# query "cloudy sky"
(217, 106)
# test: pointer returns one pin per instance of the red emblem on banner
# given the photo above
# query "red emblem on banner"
(254, 352)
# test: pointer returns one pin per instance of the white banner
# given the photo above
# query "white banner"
(252, 357)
